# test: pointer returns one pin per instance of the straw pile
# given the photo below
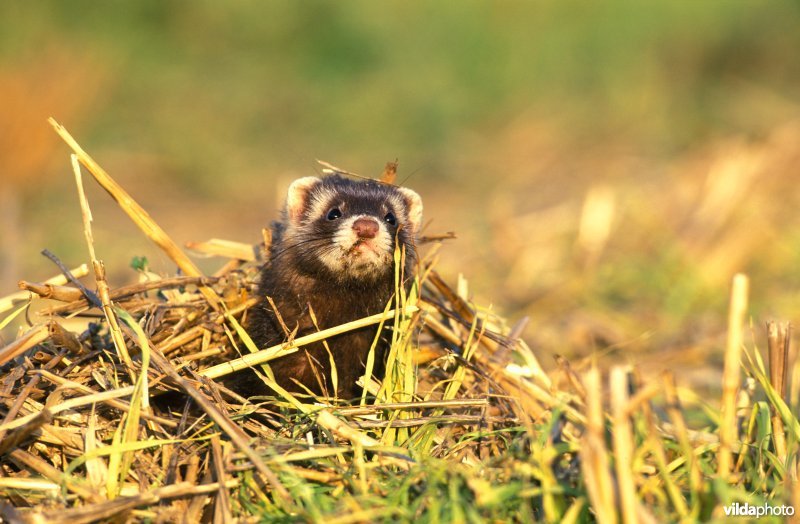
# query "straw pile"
(85, 437)
(465, 427)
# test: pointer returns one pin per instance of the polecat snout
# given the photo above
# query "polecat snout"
(333, 254)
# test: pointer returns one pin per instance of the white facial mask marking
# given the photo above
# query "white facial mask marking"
(373, 259)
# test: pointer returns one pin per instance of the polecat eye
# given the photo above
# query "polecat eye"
(334, 213)
(390, 218)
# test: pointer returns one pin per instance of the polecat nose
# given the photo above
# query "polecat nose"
(366, 227)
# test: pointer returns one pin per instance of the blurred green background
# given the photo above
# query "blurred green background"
(607, 166)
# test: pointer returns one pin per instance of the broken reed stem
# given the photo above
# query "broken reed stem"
(7, 302)
(35, 335)
(222, 506)
(622, 434)
(731, 375)
(330, 169)
(224, 248)
(60, 293)
(778, 341)
(270, 353)
(136, 212)
(100, 274)
(124, 292)
(594, 455)
(86, 212)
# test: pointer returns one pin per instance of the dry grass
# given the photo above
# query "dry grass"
(466, 426)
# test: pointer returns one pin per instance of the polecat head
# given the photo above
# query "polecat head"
(348, 229)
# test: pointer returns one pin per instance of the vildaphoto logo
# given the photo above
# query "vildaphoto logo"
(765, 510)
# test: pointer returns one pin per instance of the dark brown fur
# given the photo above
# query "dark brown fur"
(296, 278)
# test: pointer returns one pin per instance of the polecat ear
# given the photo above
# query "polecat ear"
(414, 204)
(297, 196)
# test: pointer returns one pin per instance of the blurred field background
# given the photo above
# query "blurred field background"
(607, 167)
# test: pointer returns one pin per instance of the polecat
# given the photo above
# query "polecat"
(332, 253)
